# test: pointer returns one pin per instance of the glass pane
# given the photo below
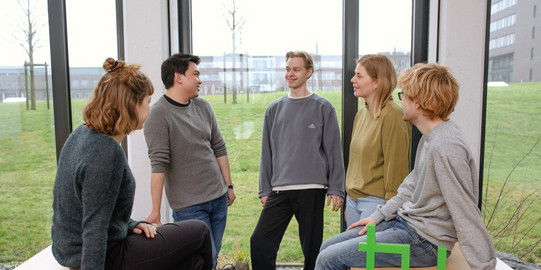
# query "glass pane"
(27, 142)
(387, 31)
(511, 163)
(254, 68)
(91, 39)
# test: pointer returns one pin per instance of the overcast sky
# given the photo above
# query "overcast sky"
(271, 28)
(274, 27)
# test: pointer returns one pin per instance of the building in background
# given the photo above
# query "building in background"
(255, 73)
(515, 45)
(12, 82)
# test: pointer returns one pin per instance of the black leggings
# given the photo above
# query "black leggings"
(179, 245)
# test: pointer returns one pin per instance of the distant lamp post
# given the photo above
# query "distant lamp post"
(32, 87)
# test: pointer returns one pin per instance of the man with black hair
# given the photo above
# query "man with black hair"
(187, 152)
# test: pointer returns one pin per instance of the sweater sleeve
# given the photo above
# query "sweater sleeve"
(456, 182)
(100, 184)
(265, 165)
(217, 140)
(395, 147)
(333, 151)
(389, 210)
(156, 131)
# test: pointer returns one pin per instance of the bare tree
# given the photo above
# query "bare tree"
(235, 24)
(30, 44)
(511, 221)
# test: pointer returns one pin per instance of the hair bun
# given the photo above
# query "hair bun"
(111, 64)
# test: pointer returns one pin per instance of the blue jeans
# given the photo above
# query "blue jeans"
(342, 251)
(214, 214)
(357, 209)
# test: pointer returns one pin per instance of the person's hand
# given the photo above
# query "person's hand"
(263, 200)
(337, 202)
(154, 217)
(148, 229)
(362, 222)
(230, 196)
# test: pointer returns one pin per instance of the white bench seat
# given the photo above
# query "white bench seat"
(44, 260)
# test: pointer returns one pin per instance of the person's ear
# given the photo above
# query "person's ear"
(178, 77)
(375, 84)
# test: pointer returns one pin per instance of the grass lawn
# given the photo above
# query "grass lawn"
(512, 130)
(28, 164)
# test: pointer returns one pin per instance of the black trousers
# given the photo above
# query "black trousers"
(179, 245)
(307, 206)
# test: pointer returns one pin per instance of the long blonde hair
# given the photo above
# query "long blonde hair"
(380, 69)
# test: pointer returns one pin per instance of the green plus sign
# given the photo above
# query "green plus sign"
(371, 247)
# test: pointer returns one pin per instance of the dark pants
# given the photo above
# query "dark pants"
(179, 245)
(307, 206)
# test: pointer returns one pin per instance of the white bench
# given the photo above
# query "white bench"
(44, 260)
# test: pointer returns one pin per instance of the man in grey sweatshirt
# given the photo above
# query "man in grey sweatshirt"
(436, 205)
(301, 161)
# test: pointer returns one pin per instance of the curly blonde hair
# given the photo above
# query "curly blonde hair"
(112, 108)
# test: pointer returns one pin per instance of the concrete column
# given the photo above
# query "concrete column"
(146, 42)
(461, 46)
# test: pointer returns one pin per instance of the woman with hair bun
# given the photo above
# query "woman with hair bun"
(94, 189)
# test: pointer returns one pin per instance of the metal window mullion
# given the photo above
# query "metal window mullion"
(350, 52)
(60, 73)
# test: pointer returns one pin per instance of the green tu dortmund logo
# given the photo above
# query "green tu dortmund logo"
(371, 247)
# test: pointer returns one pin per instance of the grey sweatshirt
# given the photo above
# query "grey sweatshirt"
(301, 145)
(184, 142)
(439, 197)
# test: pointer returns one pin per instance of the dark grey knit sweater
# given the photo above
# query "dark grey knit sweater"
(93, 199)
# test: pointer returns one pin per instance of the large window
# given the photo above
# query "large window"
(91, 39)
(243, 71)
(511, 163)
(27, 136)
(27, 121)
(377, 35)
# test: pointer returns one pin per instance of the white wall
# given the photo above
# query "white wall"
(146, 42)
(461, 41)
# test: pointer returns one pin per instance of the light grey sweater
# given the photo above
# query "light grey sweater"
(439, 197)
(301, 145)
(184, 142)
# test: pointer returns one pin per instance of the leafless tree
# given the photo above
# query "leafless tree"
(30, 43)
(509, 219)
(235, 22)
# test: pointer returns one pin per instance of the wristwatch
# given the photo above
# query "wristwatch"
(230, 186)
